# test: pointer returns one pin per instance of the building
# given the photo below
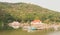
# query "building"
(37, 24)
(14, 25)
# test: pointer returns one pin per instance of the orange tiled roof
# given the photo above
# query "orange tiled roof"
(36, 21)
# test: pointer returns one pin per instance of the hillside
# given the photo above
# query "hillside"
(24, 12)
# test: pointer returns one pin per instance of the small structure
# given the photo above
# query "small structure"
(14, 24)
(37, 24)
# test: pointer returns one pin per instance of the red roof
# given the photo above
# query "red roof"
(36, 21)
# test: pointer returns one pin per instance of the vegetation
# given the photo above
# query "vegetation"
(24, 12)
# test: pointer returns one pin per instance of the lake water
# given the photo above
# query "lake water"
(54, 33)
(22, 32)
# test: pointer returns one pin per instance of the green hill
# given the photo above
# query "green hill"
(24, 12)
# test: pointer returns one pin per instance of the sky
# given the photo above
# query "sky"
(49, 4)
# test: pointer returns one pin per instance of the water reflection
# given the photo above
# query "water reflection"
(54, 33)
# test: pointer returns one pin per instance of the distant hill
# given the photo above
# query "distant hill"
(24, 12)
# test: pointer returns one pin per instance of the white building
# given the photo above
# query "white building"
(14, 24)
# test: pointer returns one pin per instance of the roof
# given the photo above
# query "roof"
(36, 21)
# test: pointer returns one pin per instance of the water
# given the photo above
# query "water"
(54, 33)
(22, 32)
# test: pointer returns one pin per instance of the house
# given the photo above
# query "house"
(14, 25)
(38, 24)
